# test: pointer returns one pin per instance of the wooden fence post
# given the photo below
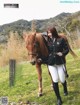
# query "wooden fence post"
(12, 67)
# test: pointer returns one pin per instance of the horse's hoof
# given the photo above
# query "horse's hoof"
(39, 94)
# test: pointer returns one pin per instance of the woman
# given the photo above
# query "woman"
(57, 46)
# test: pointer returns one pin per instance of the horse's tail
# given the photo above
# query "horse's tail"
(70, 49)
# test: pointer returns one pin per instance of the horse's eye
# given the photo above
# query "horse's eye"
(35, 45)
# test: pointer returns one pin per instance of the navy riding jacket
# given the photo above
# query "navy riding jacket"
(59, 45)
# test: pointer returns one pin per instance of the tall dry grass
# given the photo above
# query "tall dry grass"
(14, 49)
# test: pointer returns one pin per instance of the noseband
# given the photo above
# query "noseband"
(31, 53)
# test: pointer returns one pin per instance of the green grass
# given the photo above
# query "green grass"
(26, 84)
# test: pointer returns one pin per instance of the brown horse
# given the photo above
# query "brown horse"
(37, 49)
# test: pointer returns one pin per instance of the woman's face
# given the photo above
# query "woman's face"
(49, 34)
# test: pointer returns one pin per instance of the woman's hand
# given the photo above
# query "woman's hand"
(59, 54)
(39, 60)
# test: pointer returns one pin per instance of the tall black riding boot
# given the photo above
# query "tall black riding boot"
(56, 90)
(65, 88)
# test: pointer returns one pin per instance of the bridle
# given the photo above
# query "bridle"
(31, 53)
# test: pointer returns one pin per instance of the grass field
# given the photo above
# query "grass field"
(26, 84)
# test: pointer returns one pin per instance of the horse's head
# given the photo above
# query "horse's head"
(32, 46)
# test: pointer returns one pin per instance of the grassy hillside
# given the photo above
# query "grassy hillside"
(26, 84)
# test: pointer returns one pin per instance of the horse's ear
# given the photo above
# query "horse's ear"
(34, 33)
(24, 36)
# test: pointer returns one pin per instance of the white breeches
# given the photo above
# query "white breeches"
(57, 72)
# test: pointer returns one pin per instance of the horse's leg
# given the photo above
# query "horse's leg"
(39, 70)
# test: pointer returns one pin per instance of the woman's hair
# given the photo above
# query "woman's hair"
(54, 32)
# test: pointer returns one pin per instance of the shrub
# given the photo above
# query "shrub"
(13, 49)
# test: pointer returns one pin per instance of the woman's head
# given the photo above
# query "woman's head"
(52, 32)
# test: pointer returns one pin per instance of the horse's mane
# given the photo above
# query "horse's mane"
(70, 49)
(43, 47)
